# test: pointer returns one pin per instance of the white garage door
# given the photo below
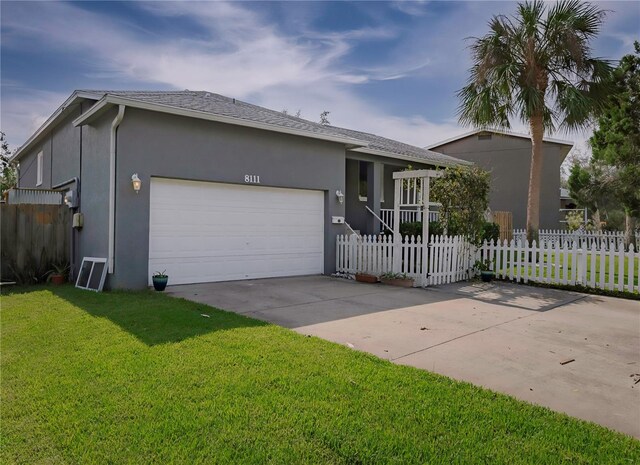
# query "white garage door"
(205, 231)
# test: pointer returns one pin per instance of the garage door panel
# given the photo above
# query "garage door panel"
(203, 232)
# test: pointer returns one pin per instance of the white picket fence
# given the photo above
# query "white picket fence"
(452, 258)
(582, 238)
(595, 265)
(449, 257)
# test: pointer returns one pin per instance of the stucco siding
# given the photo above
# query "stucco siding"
(61, 156)
(93, 238)
(65, 150)
(509, 160)
(162, 145)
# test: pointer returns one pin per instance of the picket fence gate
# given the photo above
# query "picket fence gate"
(597, 265)
(449, 258)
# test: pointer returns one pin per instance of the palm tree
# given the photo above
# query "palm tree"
(536, 66)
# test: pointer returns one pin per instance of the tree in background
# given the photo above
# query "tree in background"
(463, 192)
(8, 171)
(324, 118)
(616, 142)
(588, 188)
(536, 66)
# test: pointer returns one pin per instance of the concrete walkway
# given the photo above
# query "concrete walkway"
(507, 337)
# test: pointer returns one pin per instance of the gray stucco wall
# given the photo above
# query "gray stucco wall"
(509, 159)
(61, 155)
(93, 238)
(156, 144)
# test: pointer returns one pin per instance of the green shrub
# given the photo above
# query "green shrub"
(415, 229)
(490, 231)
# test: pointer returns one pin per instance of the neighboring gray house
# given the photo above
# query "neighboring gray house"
(229, 190)
(507, 155)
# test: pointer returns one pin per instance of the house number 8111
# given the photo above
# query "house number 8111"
(252, 178)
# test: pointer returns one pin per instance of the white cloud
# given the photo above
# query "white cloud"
(25, 110)
(244, 56)
(240, 53)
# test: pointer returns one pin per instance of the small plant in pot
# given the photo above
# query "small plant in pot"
(484, 268)
(397, 279)
(58, 273)
(160, 280)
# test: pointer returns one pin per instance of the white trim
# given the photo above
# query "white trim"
(93, 260)
(417, 174)
(504, 132)
(39, 168)
(86, 117)
(112, 185)
(382, 184)
(424, 161)
(51, 120)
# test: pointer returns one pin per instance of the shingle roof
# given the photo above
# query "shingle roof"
(220, 105)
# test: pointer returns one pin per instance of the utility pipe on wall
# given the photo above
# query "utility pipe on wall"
(112, 186)
(72, 245)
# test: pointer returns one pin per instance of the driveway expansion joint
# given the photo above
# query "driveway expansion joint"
(534, 313)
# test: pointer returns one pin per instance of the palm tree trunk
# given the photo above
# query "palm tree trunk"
(535, 177)
(597, 222)
(629, 229)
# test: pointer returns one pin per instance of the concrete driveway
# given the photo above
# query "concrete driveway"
(507, 337)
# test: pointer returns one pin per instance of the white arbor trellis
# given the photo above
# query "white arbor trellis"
(412, 191)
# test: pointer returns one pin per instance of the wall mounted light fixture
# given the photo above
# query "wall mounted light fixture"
(340, 196)
(136, 183)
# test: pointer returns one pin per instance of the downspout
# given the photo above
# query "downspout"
(112, 186)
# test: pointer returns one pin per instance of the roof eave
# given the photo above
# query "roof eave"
(497, 131)
(108, 100)
(384, 153)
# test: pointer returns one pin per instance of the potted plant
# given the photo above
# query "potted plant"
(484, 267)
(160, 280)
(397, 279)
(58, 274)
(366, 278)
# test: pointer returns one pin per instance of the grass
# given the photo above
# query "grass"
(139, 377)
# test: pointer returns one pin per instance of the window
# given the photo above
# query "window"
(40, 169)
(363, 185)
(362, 181)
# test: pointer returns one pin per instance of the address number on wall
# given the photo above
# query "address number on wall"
(252, 178)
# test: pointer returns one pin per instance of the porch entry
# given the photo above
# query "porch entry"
(435, 260)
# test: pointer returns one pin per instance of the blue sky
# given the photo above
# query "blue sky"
(391, 68)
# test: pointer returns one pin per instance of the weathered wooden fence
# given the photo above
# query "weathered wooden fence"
(32, 238)
(597, 265)
(505, 221)
(449, 258)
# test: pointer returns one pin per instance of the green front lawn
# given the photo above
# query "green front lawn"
(141, 378)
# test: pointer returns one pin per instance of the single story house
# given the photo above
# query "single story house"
(507, 155)
(227, 190)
